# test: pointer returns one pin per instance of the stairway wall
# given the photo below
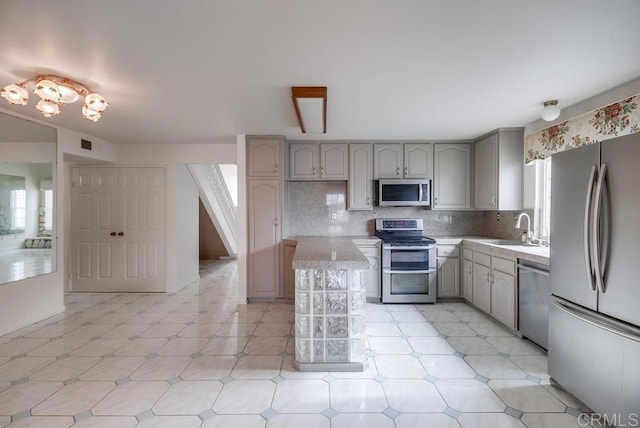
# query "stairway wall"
(211, 246)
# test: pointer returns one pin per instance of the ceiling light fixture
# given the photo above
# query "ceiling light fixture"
(310, 103)
(551, 111)
(55, 92)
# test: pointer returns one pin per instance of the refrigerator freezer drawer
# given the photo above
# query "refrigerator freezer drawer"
(591, 361)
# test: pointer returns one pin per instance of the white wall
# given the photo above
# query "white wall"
(187, 221)
(241, 218)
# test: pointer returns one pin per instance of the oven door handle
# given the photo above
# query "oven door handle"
(409, 247)
(409, 272)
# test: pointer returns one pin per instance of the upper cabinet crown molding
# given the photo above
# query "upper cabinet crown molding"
(499, 170)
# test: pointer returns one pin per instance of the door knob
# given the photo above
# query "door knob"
(112, 234)
(120, 233)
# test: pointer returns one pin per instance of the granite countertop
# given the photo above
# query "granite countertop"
(320, 252)
(484, 243)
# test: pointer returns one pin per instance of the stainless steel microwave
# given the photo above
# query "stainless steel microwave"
(403, 193)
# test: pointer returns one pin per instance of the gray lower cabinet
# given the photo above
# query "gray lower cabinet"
(371, 276)
(467, 275)
(448, 271)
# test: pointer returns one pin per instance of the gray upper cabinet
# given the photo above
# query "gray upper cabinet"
(499, 161)
(451, 176)
(314, 161)
(360, 175)
(263, 156)
(397, 160)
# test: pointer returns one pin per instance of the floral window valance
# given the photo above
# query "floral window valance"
(617, 119)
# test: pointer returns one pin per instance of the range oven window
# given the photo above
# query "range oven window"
(409, 284)
(415, 259)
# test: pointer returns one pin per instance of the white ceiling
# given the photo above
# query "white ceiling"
(199, 71)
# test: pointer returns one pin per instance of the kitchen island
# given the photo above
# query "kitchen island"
(330, 305)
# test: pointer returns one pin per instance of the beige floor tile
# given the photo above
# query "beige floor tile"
(553, 420)
(362, 420)
(369, 373)
(413, 396)
(100, 347)
(468, 395)
(58, 347)
(277, 317)
(74, 399)
(533, 365)
(513, 345)
(489, 420)
(447, 367)
(245, 397)
(400, 367)
(489, 329)
(526, 396)
(188, 398)
(107, 422)
(236, 329)
(408, 316)
(163, 330)
(55, 330)
(200, 330)
(141, 347)
(209, 368)
(131, 398)
(90, 331)
(65, 369)
(471, 345)
(43, 422)
(183, 346)
(273, 329)
(382, 329)
(115, 318)
(21, 346)
(417, 329)
(171, 422)
(389, 345)
(179, 318)
(294, 421)
(257, 367)
(4, 385)
(127, 330)
(413, 420)
(236, 421)
(5, 420)
(431, 345)
(161, 368)
(442, 317)
(495, 367)
(358, 396)
(453, 329)
(23, 367)
(112, 369)
(266, 346)
(312, 396)
(26, 395)
(225, 345)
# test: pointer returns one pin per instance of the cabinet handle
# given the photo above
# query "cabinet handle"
(313, 170)
(493, 201)
(120, 233)
(321, 170)
(368, 200)
(112, 234)
(406, 170)
(275, 222)
(435, 201)
(397, 170)
(277, 168)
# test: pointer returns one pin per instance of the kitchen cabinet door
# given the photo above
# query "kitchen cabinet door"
(265, 236)
(482, 287)
(360, 177)
(334, 161)
(503, 298)
(448, 277)
(452, 176)
(304, 161)
(371, 276)
(418, 160)
(499, 171)
(388, 160)
(264, 156)
(467, 280)
(288, 272)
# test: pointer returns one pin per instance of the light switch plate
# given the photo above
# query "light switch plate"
(334, 216)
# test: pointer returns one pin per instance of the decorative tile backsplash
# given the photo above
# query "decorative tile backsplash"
(310, 204)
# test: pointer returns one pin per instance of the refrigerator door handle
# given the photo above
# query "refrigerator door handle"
(595, 230)
(600, 321)
(587, 229)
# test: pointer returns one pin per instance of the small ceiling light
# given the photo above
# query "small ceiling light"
(15, 94)
(310, 103)
(551, 111)
(54, 93)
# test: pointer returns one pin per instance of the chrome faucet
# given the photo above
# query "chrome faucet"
(527, 231)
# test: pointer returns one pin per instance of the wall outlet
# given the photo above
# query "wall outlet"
(498, 216)
(334, 216)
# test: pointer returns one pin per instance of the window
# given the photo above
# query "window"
(18, 206)
(538, 187)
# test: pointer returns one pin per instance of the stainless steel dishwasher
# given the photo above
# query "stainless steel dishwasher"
(534, 301)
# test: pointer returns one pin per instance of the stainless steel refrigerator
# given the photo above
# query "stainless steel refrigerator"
(594, 317)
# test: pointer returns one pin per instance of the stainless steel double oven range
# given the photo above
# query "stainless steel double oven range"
(408, 268)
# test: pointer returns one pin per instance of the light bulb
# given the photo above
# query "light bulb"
(96, 102)
(15, 94)
(90, 114)
(67, 94)
(47, 90)
(48, 108)
(551, 111)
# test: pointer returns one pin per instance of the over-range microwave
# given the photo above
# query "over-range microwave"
(403, 193)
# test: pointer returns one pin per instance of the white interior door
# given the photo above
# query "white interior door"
(142, 223)
(94, 220)
(118, 232)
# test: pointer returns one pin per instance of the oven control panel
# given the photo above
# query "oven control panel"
(399, 224)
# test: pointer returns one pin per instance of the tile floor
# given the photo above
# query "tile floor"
(22, 263)
(197, 359)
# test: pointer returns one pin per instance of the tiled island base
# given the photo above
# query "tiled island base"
(330, 320)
